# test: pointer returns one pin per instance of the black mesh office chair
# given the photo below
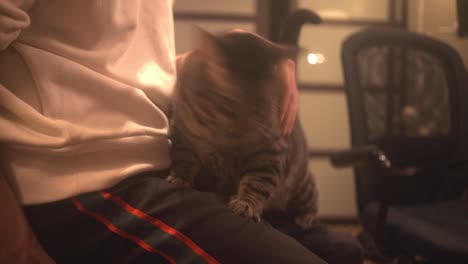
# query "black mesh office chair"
(407, 100)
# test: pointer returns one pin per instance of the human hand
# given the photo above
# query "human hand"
(180, 59)
(288, 108)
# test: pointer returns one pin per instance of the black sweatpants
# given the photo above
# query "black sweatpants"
(144, 219)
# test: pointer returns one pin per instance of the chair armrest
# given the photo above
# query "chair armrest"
(360, 157)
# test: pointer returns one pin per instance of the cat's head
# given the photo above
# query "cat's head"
(232, 83)
(244, 54)
(244, 67)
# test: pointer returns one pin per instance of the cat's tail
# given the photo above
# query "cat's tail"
(292, 26)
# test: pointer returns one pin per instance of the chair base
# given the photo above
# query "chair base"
(373, 253)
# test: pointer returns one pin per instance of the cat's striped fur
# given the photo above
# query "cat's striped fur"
(226, 131)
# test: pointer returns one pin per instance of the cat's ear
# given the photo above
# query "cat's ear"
(207, 43)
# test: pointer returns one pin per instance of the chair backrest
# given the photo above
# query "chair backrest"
(405, 93)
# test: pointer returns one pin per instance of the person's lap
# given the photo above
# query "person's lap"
(145, 219)
(333, 246)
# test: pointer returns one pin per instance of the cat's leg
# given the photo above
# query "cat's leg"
(185, 167)
(255, 188)
(305, 202)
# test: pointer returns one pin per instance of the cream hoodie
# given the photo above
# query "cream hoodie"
(84, 91)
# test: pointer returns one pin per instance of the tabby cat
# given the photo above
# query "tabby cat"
(226, 131)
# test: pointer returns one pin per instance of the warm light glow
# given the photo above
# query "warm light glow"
(315, 58)
(337, 14)
(149, 74)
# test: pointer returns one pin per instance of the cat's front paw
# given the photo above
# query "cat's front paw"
(244, 208)
(178, 181)
(307, 221)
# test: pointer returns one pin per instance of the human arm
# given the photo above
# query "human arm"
(17, 241)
